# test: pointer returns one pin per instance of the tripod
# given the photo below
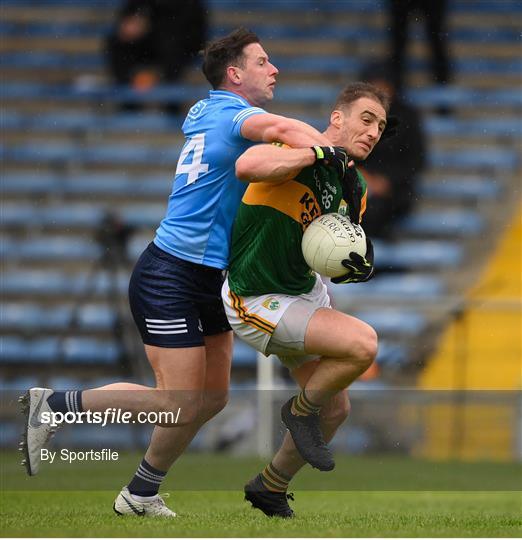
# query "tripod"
(112, 237)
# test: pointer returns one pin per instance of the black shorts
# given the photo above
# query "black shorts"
(175, 302)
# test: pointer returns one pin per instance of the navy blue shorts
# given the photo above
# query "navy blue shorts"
(175, 302)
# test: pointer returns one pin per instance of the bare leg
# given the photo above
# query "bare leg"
(168, 444)
(180, 376)
(287, 459)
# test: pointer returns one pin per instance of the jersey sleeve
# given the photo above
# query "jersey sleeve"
(234, 116)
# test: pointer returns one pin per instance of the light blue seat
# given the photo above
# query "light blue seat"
(30, 183)
(35, 283)
(90, 351)
(18, 215)
(143, 215)
(22, 316)
(392, 356)
(98, 183)
(394, 321)
(58, 248)
(243, 355)
(483, 127)
(118, 153)
(96, 317)
(388, 286)
(477, 159)
(418, 254)
(43, 350)
(447, 223)
(473, 189)
(72, 215)
(43, 152)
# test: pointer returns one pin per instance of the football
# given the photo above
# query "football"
(328, 240)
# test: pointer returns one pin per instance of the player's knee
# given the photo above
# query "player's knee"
(365, 348)
(213, 404)
(182, 407)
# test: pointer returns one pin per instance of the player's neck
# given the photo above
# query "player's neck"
(238, 92)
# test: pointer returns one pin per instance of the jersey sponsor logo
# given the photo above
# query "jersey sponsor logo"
(310, 208)
(272, 304)
(196, 110)
(329, 186)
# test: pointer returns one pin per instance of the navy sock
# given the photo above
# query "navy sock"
(63, 402)
(146, 480)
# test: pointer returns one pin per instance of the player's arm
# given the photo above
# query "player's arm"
(272, 163)
(274, 128)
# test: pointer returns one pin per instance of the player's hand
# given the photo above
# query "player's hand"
(332, 156)
(352, 194)
(359, 268)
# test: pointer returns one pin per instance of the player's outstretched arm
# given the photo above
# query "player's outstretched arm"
(274, 128)
(271, 163)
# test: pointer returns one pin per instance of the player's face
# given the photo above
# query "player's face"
(258, 75)
(362, 124)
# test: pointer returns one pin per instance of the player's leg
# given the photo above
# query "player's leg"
(347, 347)
(268, 490)
(209, 388)
(168, 444)
(333, 414)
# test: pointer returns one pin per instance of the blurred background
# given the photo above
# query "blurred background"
(93, 96)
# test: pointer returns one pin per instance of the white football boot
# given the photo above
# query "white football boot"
(36, 434)
(125, 504)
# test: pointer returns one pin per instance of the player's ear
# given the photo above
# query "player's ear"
(233, 75)
(336, 118)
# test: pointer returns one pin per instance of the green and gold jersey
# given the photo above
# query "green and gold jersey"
(266, 254)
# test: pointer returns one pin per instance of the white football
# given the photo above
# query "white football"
(328, 240)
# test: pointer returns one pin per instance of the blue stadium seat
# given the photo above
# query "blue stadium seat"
(143, 215)
(394, 321)
(30, 183)
(43, 350)
(447, 223)
(392, 356)
(243, 355)
(96, 317)
(35, 282)
(501, 159)
(58, 248)
(90, 351)
(419, 254)
(473, 189)
(23, 316)
(401, 286)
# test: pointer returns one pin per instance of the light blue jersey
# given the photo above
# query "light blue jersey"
(206, 193)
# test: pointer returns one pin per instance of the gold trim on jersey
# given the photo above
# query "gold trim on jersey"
(248, 318)
(292, 198)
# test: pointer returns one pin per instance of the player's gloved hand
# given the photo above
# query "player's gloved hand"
(352, 194)
(332, 156)
(359, 268)
(391, 129)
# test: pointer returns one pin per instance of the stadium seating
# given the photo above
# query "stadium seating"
(69, 155)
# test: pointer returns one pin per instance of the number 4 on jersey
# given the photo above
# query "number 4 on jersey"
(196, 145)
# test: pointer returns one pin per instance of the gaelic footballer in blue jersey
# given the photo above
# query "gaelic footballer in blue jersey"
(175, 289)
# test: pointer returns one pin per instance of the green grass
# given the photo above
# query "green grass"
(220, 513)
(52, 505)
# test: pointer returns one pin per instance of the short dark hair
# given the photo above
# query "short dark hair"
(226, 51)
(354, 91)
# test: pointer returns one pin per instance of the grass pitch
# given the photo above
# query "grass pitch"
(52, 508)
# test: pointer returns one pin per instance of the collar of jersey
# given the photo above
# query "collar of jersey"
(226, 94)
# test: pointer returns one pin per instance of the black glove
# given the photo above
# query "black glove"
(391, 129)
(332, 156)
(352, 194)
(359, 268)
